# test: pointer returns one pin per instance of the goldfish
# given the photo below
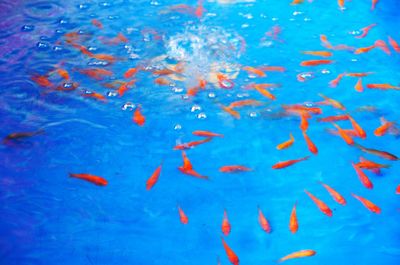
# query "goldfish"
(226, 226)
(347, 138)
(299, 254)
(383, 46)
(315, 62)
(303, 77)
(62, 73)
(296, 2)
(187, 168)
(303, 122)
(16, 136)
(233, 258)
(95, 73)
(383, 86)
(320, 204)
(90, 178)
(245, 102)
(325, 42)
(398, 189)
(368, 164)
(286, 144)
(95, 95)
(332, 102)
(42, 80)
(120, 38)
(334, 118)
(341, 4)
(191, 144)
(381, 130)
(131, 72)
(254, 70)
(335, 82)
(349, 132)
(231, 111)
(124, 87)
(97, 23)
(374, 2)
(318, 53)
(162, 81)
(383, 154)
(293, 223)
(182, 216)
(394, 44)
(207, 134)
(311, 146)
(224, 82)
(287, 163)
(359, 74)
(263, 221)
(359, 87)
(363, 178)
(273, 68)
(364, 49)
(368, 204)
(365, 31)
(153, 178)
(264, 92)
(199, 9)
(234, 169)
(335, 195)
(360, 131)
(138, 117)
(164, 71)
(300, 109)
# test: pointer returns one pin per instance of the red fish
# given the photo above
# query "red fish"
(299, 254)
(363, 177)
(273, 68)
(360, 131)
(332, 102)
(320, 204)
(131, 72)
(293, 223)
(365, 31)
(264, 92)
(398, 189)
(42, 80)
(334, 118)
(383, 86)
(286, 144)
(263, 221)
(154, 178)
(96, 73)
(182, 216)
(245, 102)
(358, 87)
(382, 130)
(207, 134)
(380, 153)
(370, 165)
(383, 46)
(97, 23)
(368, 204)
(315, 62)
(200, 9)
(364, 49)
(234, 169)
(95, 95)
(347, 138)
(231, 111)
(335, 82)
(90, 178)
(318, 53)
(191, 144)
(335, 195)
(187, 168)
(303, 122)
(374, 2)
(254, 70)
(233, 258)
(138, 117)
(287, 163)
(311, 146)
(226, 226)
(395, 45)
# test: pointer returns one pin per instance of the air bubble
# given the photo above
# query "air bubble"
(195, 108)
(177, 127)
(112, 94)
(27, 28)
(325, 71)
(211, 95)
(177, 89)
(42, 45)
(128, 106)
(253, 114)
(201, 116)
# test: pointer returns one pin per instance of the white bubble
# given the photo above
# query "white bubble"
(253, 114)
(195, 108)
(211, 95)
(128, 106)
(201, 116)
(177, 127)
(325, 71)
(112, 94)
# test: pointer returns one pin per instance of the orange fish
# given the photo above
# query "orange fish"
(318, 53)
(349, 132)
(234, 169)
(315, 62)
(347, 138)
(95, 95)
(191, 144)
(360, 131)
(97, 23)
(383, 86)
(154, 178)
(363, 178)
(341, 4)
(311, 146)
(263, 221)
(286, 144)
(383, 154)
(90, 178)
(200, 9)
(224, 82)
(368, 204)
(226, 226)
(182, 216)
(320, 204)
(287, 163)
(374, 2)
(332, 102)
(245, 102)
(359, 74)
(335, 195)
(233, 258)
(299, 254)
(264, 92)
(187, 168)
(335, 82)
(296, 2)
(325, 42)
(41, 80)
(303, 123)
(358, 87)
(62, 73)
(273, 68)
(334, 118)
(398, 189)
(395, 45)
(162, 81)
(383, 46)
(382, 130)
(293, 223)
(96, 73)
(364, 49)
(125, 87)
(138, 117)
(164, 71)
(254, 70)
(207, 134)
(131, 72)
(365, 31)
(231, 111)
(368, 164)
(20, 135)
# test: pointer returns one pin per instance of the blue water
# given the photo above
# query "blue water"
(48, 218)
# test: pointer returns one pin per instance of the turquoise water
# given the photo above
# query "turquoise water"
(49, 218)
